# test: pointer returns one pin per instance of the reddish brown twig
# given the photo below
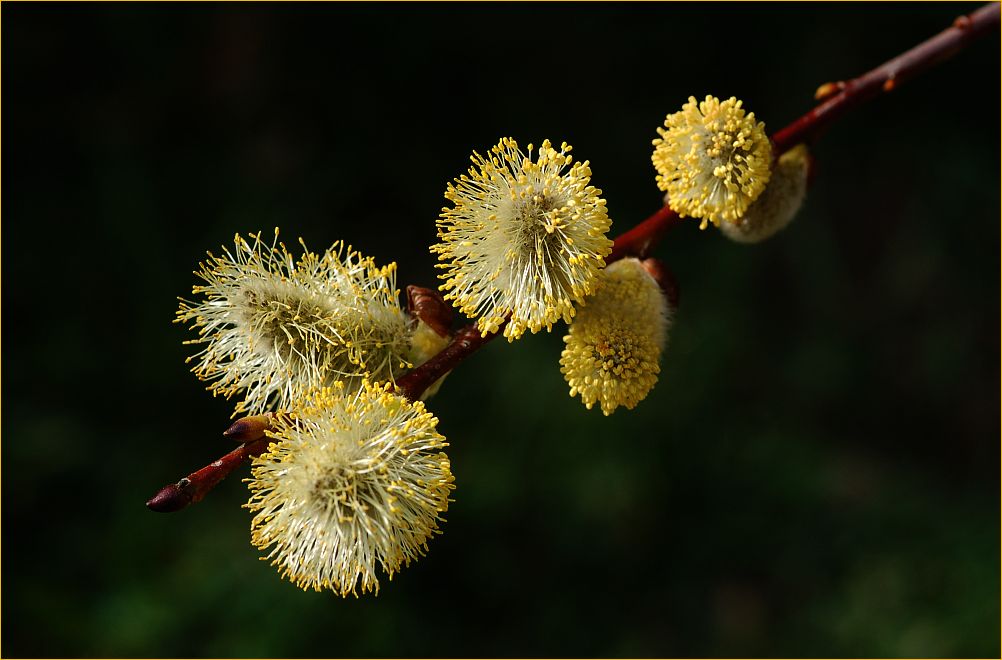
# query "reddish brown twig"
(836, 99)
(464, 343)
(638, 241)
(191, 489)
(887, 76)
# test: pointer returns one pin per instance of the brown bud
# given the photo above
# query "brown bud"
(429, 306)
(171, 498)
(828, 90)
(248, 429)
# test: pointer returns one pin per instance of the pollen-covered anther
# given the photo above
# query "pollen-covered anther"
(352, 482)
(269, 324)
(524, 239)
(712, 159)
(778, 205)
(613, 346)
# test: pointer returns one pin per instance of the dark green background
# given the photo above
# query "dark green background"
(817, 473)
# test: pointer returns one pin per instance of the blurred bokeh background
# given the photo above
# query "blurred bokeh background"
(817, 473)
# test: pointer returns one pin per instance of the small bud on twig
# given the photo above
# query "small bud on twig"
(828, 90)
(248, 429)
(170, 498)
(429, 306)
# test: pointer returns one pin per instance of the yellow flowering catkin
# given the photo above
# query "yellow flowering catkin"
(712, 159)
(351, 482)
(776, 207)
(613, 346)
(525, 238)
(269, 325)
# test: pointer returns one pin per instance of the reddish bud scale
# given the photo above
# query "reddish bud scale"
(429, 306)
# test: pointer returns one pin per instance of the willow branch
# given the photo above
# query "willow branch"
(191, 489)
(639, 241)
(836, 100)
(465, 342)
(842, 97)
